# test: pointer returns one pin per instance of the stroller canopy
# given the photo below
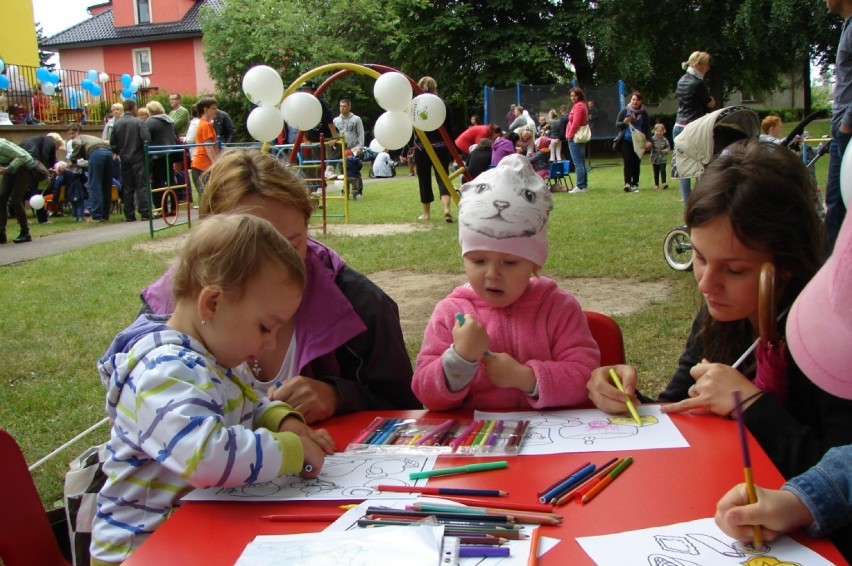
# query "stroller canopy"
(703, 139)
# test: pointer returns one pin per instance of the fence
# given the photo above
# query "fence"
(27, 102)
(607, 99)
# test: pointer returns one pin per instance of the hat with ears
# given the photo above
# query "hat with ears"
(819, 327)
(505, 210)
(60, 143)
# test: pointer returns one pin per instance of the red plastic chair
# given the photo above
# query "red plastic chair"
(25, 534)
(607, 334)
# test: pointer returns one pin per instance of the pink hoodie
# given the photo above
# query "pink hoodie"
(545, 329)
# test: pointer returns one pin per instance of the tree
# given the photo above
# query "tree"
(43, 56)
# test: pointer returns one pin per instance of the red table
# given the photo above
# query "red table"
(661, 487)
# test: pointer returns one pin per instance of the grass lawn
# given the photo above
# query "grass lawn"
(61, 312)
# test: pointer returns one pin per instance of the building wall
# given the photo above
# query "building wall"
(19, 45)
(83, 59)
(169, 10)
(203, 82)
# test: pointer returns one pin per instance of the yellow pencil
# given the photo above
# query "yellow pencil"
(630, 406)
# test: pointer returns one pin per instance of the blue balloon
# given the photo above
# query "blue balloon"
(73, 100)
(126, 80)
(54, 78)
(126, 93)
(43, 75)
(95, 90)
(4, 82)
(92, 75)
(86, 84)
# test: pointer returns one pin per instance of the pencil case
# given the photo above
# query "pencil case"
(439, 436)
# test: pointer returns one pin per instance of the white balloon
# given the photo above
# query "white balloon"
(146, 82)
(302, 110)
(376, 146)
(846, 177)
(427, 112)
(103, 78)
(264, 123)
(263, 86)
(136, 80)
(37, 202)
(48, 88)
(393, 129)
(392, 91)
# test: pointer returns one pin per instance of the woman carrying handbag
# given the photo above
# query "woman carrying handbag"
(578, 135)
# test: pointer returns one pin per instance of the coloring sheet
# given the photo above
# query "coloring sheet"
(342, 478)
(520, 549)
(696, 543)
(592, 430)
(388, 546)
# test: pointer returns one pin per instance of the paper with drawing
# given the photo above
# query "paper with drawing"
(592, 430)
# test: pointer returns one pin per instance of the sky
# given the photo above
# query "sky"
(58, 15)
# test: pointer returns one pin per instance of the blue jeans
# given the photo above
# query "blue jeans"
(578, 156)
(835, 209)
(685, 184)
(100, 183)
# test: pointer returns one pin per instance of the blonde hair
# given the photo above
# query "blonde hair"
(428, 84)
(117, 106)
(697, 58)
(227, 250)
(659, 126)
(768, 123)
(238, 174)
(143, 112)
(155, 108)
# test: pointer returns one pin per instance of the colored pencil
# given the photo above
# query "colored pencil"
(534, 507)
(449, 530)
(483, 551)
(529, 518)
(608, 479)
(470, 468)
(317, 517)
(757, 532)
(630, 405)
(380, 512)
(569, 482)
(485, 539)
(562, 479)
(442, 490)
(581, 489)
(371, 428)
(533, 557)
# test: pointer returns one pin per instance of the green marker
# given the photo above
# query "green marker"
(460, 470)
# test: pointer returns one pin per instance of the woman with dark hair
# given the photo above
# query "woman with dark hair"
(632, 117)
(752, 205)
(424, 164)
(579, 116)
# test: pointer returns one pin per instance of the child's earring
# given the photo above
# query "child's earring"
(203, 322)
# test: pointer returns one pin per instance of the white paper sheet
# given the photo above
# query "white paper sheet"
(519, 549)
(343, 477)
(592, 430)
(695, 543)
(388, 546)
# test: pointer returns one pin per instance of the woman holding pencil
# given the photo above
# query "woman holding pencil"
(752, 205)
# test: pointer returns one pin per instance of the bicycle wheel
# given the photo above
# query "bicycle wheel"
(171, 206)
(677, 249)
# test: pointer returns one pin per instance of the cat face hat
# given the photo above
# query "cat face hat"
(505, 210)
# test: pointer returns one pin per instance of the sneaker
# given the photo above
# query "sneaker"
(656, 187)
(635, 188)
(577, 191)
(330, 173)
(627, 187)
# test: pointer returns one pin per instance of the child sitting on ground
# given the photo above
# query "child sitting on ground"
(179, 393)
(508, 339)
(659, 150)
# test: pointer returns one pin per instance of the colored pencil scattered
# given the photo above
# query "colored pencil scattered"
(470, 468)
(608, 479)
(533, 557)
(757, 533)
(442, 490)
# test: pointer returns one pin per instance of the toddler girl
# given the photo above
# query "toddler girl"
(179, 395)
(659, 150)
(518, 342)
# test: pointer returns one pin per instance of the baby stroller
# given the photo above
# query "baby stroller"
(697, 145)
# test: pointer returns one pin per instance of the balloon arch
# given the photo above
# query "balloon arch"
(388, 96)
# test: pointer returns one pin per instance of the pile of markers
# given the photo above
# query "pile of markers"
(483, 531)
(431, 436)
(584, 483)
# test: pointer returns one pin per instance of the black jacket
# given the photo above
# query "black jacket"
(128, 138)
(42, 148)
(693, 97)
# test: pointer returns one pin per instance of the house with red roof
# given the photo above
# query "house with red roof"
(160, 41)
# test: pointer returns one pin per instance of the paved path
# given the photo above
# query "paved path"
(57, 243)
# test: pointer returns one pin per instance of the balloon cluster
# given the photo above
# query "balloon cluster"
(4, 80)
(263, 86)
(90, 83)
(47, 80)
(393, 128)
(131, 85)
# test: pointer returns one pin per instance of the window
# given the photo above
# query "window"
(143, 12)
(142, 61)
(751, 96)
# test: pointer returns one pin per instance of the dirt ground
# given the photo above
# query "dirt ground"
(416, 293)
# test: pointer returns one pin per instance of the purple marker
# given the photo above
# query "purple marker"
(479, 551)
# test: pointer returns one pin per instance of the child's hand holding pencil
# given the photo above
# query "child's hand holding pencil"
(604, 392)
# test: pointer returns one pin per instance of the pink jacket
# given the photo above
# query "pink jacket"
(579, 116)
(544, 329)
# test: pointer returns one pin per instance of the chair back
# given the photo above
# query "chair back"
(607, 334)
(567, 167)
(25, 534)
(556, 171)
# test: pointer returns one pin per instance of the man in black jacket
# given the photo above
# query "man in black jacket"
(127, 140)
(43, 149)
